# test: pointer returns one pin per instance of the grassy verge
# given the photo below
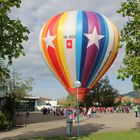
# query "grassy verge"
(123, 135)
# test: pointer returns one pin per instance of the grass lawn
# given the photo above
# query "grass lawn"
(123, 135)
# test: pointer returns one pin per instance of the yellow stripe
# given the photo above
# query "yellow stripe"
(45, 52)
(58, 55)
(112, 55)
(60, 40)
(116, 37)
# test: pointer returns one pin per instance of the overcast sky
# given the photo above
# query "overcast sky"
(33, 14)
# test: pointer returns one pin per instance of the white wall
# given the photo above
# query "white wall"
(53, 103)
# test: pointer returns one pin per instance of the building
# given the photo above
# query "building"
(27, 104)
(34, 103)
(45, 102)
(30, 103)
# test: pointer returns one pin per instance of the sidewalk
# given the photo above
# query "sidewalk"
(104, 122)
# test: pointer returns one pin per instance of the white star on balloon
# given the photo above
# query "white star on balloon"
(94, 38)
(49, 40)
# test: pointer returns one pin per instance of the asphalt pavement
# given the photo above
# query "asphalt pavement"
(56, 126)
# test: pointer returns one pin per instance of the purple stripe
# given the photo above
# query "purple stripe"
(91, 50)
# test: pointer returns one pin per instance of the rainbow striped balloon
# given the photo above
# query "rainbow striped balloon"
(79, 46)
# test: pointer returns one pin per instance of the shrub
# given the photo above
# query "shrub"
(4, 123)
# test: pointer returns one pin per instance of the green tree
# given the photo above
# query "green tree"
(108, 93)
(103, 94)
(12, 34)
(70, 101)
(126, 102)
(130, 37)
(4, 123)
(15, 89)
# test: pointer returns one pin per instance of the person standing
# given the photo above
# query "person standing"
(135, 109)
(94, 112)
(139, 110)
(27, 117)
(68, 122)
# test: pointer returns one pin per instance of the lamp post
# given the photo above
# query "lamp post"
(77, 84)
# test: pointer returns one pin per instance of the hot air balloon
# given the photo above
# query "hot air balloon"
(79, 46)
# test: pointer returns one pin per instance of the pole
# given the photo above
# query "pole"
(78, 126)
(77, 84)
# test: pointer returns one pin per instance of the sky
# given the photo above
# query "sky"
(33, 14)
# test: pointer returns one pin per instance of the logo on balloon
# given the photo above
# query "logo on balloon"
(69, 36)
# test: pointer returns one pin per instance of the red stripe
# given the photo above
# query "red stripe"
(53, 53)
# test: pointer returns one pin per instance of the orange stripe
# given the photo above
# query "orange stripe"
(53, 54)
(45, 52)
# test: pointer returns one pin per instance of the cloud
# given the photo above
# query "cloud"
(35, 13)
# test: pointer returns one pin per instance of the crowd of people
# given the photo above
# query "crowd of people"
(93, 111)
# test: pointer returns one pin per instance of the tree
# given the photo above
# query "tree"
(130, 37)
(103, 94)
(70, 101)
(12, 34)
(15, 90)
(108, 93)
(126, 102)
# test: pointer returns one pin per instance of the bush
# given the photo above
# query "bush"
(4, 123)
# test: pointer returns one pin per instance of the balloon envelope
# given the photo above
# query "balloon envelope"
(79, 46)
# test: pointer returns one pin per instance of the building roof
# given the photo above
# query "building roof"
(118, 99)
(44, 99)
(136, 101)
(32, 97)
(126, 98)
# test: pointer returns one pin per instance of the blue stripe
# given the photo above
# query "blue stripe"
(79, 29)
(84, 44)
(103, 45)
